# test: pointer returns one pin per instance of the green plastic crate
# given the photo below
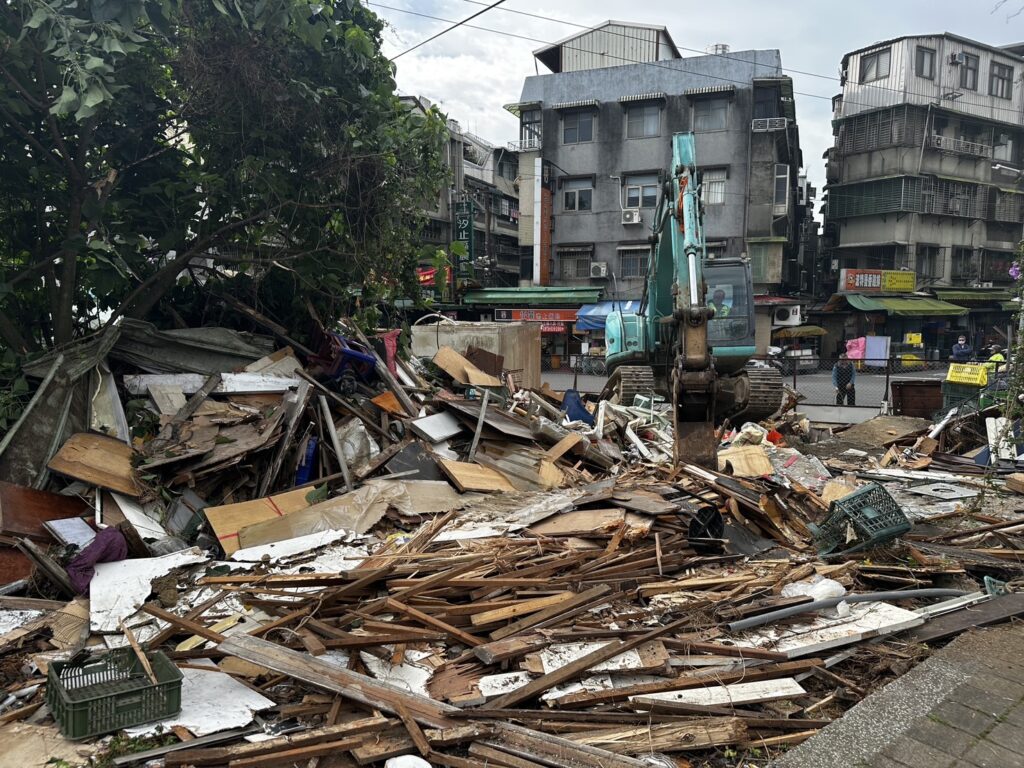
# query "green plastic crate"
(871, 514)
(954, 394)
(110, 692)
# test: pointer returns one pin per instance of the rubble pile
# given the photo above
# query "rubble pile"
(235, 554)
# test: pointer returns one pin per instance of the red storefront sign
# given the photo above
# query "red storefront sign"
(535, 315)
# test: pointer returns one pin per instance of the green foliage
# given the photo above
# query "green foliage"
(167, 153)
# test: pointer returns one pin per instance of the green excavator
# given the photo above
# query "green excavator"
(693, 336)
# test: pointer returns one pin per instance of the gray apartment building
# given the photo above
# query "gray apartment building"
(595, 145)
(925, 172)
(479, 207)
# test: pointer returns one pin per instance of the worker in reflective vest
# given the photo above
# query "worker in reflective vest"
(995, 360)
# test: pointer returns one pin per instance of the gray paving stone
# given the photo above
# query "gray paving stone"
(1007, 735)
(964, 718)
(941, 736)
(990, 702)
(1015, 715)
(987, 754)
(913, 754)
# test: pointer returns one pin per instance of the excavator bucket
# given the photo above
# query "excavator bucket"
(696, 443)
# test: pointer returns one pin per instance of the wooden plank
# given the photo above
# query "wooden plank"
(186, 625)
(595, 522)
(556, 613)
(492, 756)
(425, 711)
(430, 621)
(737, 693)
(387, 401)
(332, 433)
(461, 370)
(293, 406)
(329, 734)
(474, 477)
(298, 754)
(563, 446)
(190, 383)
(24, 510)
(414, 731)
(97, 460)
(570, 671)
(993, 611)
(555, 751)
(667, 737)
(519, 608)
(479, 426)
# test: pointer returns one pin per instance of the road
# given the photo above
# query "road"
(816, 387)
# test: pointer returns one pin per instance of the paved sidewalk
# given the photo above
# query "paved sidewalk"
(964, 706)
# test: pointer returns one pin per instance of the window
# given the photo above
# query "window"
(578, 195)
(530, 128)
(574, 263)
(642, 191)
(874, 66)
(710, 114)
(643, 122)
(963, 264)
(925, 62)
(928, 260)
(633, 261)
(1000, 81)
(1003, 150)
(969, 72)
(712, 186)
(781, 200)
(508, 168)
(577, 127)
(766, 101)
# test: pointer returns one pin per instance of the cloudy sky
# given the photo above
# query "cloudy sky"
(471, 73)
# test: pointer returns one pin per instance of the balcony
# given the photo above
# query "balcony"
(530, 144)
(959, 146)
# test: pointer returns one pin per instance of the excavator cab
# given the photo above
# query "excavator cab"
(731, 331)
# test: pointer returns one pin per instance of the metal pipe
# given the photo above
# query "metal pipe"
(817, 605)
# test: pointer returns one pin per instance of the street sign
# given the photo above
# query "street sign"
(464, 234)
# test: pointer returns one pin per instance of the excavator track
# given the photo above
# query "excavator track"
(627, 381)
(765, 395)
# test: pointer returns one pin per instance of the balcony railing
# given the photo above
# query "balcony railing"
(959, 146)
(525, 145)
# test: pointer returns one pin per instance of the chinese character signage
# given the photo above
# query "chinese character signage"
(464, 234)
(877, 281)
(535, 315)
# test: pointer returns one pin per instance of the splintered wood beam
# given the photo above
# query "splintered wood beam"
(187, 626)
(592, 659)
(430, 621)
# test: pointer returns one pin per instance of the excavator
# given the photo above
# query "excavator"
(693, 335)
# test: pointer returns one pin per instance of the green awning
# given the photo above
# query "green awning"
(957, 295)
(1009, 306)
(905, 306)
(534, 296)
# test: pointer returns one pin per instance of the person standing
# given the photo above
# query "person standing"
(995, 360)
(962, 351)
(843, 378)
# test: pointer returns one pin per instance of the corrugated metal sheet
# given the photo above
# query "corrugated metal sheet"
(644, 97)
(611, 46)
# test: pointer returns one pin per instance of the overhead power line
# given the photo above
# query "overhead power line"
(455, 25)
(1013, 112)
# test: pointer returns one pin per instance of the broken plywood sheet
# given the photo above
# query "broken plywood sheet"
(473, 477)
(746, 461)
(119, 589)
(280, 363)
(411, 675)
(492, 686)
(211, 701)
(437, 427)
(231, 383)
(97, 460)
(819, 633)
(595, 522)
(228, 519)
(24, 510)
(649, 657)
(288, 547)
(461, 370)
(141, 516)
(738, 693)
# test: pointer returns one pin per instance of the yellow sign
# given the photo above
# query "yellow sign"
(912, 338)
(899, 281)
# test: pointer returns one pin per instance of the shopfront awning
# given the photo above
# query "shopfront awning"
(592, 316)
(905, 306)
(533, 296)
(971, 297)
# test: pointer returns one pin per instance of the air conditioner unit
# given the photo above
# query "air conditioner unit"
(599, 269)
(631, 216)
(958, 58)
(954, 205)
(985, 285)
(787, 315)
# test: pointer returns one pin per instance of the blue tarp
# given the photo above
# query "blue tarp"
(591, 317)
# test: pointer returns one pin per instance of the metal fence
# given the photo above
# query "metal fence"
(870, 385)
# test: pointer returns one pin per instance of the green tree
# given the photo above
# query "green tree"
(156, 155)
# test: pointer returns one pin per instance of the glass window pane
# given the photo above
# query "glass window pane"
(649, 196)
(632, 197)
(569, 201)
(584, 198)
(586, 123)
